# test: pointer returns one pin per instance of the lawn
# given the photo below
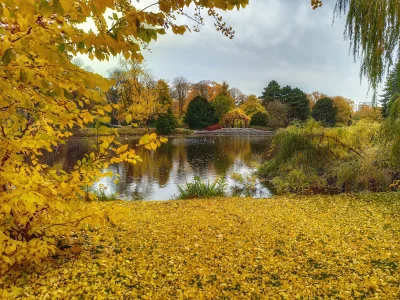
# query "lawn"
(336, 247)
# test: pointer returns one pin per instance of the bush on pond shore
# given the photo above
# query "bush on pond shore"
(312, 159)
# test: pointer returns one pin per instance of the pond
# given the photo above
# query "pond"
(176, 162)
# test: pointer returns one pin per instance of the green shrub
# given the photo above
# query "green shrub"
(312, 159)
(200, 189)
(259, 119)
(222, 104)
(200, 113)
(325, 112)
(166, 123)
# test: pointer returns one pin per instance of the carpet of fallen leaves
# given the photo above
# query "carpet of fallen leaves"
(336, 247)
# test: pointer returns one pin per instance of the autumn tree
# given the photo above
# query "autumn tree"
(278, 114)
(137, 89)
(180, 91)
(223, 102)
(252, 105)
(205, 88)
(345, 109)
(314, 97)
(368, 112)
(163, 95)
(165, 121)
(238, 96)
(201, 88)
(43, 96)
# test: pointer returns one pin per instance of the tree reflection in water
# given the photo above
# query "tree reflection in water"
(176, 162)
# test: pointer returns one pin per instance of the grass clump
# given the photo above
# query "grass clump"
(200, 189)
(100, 194)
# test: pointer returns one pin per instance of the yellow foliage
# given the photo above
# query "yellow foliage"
(43, 96)
(340, 247)
(252, 105)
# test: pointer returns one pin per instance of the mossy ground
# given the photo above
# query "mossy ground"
(337, 247)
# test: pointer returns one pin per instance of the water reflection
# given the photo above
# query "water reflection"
(175, 162)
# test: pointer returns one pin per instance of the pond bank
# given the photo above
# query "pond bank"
(90, 132)
(131, 131)
(236, 131)
(341, 247)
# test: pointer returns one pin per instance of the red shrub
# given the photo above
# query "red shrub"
(213, 127)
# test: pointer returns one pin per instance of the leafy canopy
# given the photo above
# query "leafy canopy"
(43, 96)
(252, 105)
(222, 105)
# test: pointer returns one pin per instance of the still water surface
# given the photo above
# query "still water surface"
(176, 162)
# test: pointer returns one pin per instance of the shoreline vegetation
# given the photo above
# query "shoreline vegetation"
(140, 131)
(127, 130)
(343, 246)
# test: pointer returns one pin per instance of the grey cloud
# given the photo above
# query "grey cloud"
(282, 40)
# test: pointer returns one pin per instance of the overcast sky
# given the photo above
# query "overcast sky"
(278, 40)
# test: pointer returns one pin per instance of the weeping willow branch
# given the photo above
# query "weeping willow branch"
(373, 29)
(335, 139)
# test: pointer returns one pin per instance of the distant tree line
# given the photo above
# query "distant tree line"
(143, 100)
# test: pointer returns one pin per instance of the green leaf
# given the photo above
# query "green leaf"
(144, 35)
(44, 84)
(115, 16)
(58, 8)
(8, 56)
(23, 77)
(61, 47)
(45, 8)
(81, 45)
(67, 94)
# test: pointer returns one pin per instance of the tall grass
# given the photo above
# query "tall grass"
(100, 194)
(200, 189)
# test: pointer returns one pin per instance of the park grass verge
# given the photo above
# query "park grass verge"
(286, 247)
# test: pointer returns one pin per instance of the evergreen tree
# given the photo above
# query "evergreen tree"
(225, 89)
(325, 112)
(285, 93)
(391, 90)
(271, 92)
(200, 113)
(259, 119)
(166, 123)
(298, 103)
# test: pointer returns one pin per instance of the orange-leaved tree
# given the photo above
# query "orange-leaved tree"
(43, 96)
